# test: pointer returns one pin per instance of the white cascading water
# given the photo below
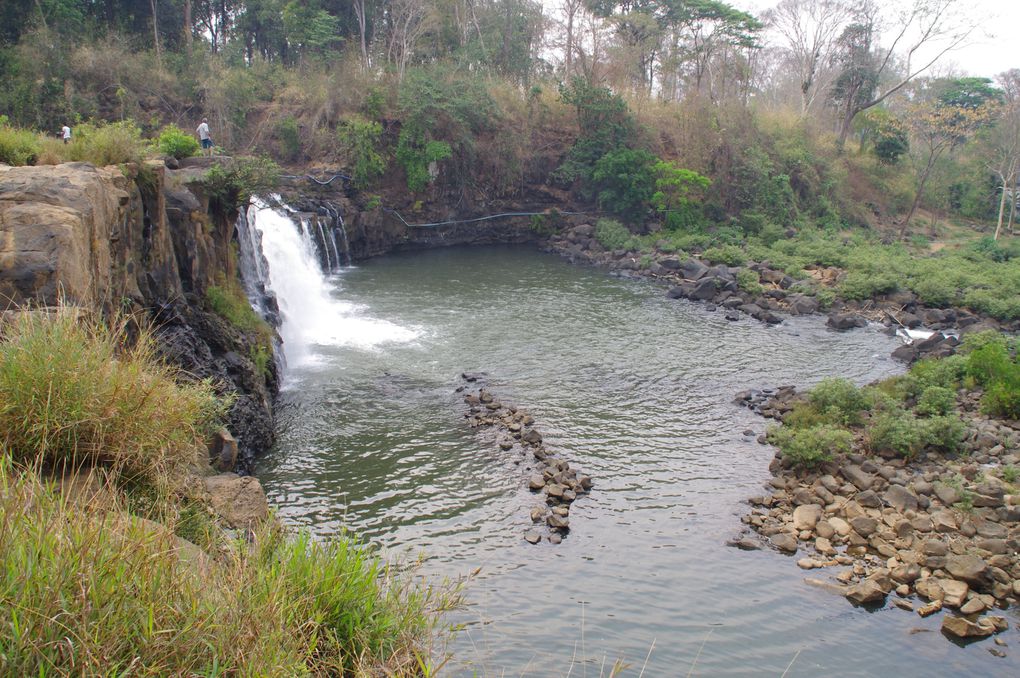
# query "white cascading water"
(311, 315)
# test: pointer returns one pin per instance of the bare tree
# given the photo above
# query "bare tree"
(1003, 143)
(927, 27)
(571, 8)
(410, 20)
(361, 16)
(811, 29)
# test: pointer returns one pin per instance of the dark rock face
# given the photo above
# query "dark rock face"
(94, 238)
(846, 321)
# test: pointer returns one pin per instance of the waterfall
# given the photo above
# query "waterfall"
(312, 316)
(338, 221)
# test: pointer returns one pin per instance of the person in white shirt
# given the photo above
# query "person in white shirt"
(203, 136)
(65, 134)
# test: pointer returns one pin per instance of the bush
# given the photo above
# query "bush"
(946, 373)
(177, 143)
(749, 281)
(811, 446)
(611, 234)
(839, 400)
(944, 432)
(113, 143)
(624, 181)
(229, 302)
(289, 134)
(233, 184)
(359, 142)
(897, 431)
(936, 400)
(861, 285)
(74, 394)
(731, 255)
(18, 146)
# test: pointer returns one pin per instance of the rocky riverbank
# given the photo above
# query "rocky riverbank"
(931, 533)
(765, 293)
(547, 474)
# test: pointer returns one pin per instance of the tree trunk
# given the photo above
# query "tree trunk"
(918, 195)
(187, 23)
(155, 34)
(1002, 210)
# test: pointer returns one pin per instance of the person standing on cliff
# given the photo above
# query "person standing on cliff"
(203, 136)
(65, 134)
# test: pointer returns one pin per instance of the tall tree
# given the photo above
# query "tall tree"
(929, 27)
(811, 30)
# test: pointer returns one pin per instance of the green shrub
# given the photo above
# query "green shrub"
(1002, 398)
(861, 285)
(611, 234)
(839, 400)
(749, 281)
(811, 446)
(74, 394)
(936, 400)
(990, 362)
(229, 302)
(233, 184)
(943, 432)
(108, 143)
(945, 372)
(177, 143)
(289, 134)
(897, 431)
(731, 255)
(624, 181)
(359, 142)
(18, 146)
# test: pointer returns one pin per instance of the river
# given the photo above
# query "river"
(633, 389)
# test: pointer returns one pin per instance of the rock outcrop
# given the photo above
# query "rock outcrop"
(139, 240)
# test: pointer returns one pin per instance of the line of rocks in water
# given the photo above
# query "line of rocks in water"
(943, 528)
(717, 286)
(549, 475)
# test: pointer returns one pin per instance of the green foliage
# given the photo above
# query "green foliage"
(896, 431)
(1010, 473)
(839, 400)
(611, 234)
(233, 183)
(359, 142)
(604, 125)
(731, 255)
(289, 134)
(860, 285)
(811, 446)
(229, 302)
(442, 112)
(134, 601)
(993, 364)
(676, 193)
(175, 142)
(113, 143)
(749, 281)
(624, 181)
(943, 432)
(105, 403)
(17, 146)
(936, 400)
(945, 373)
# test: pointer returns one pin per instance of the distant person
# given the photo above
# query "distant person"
(65, 134)
(203, 136)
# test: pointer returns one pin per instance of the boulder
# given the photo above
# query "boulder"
(961, 627)
(900, 498)
(532, 537)
(784, 542)
(801, 304)
(693, 269)
(867, 591)
(704, 289)
(864, 525)
(223, 451)
(969, 568)
(238, 500)
(954, 592)
(845, 321)
(861, 480)
(805, 517)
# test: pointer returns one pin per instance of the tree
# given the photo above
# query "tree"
(1003, 147)
(811, 29)
(932, 27)
(940, 128)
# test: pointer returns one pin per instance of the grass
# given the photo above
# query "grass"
(75, 393)
(90, 588)
(92, 591)
(17, 146)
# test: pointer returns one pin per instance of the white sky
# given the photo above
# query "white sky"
(993, 48)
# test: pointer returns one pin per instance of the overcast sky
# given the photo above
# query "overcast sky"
(992, 49)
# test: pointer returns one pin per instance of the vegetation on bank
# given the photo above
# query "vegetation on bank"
(904, 415)
(95, 577)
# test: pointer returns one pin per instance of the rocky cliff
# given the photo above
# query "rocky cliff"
(139, 240)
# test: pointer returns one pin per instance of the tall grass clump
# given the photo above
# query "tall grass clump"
(175, 142)
(74, 392)
(89, 590)
(112, 143)
(17, 146)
